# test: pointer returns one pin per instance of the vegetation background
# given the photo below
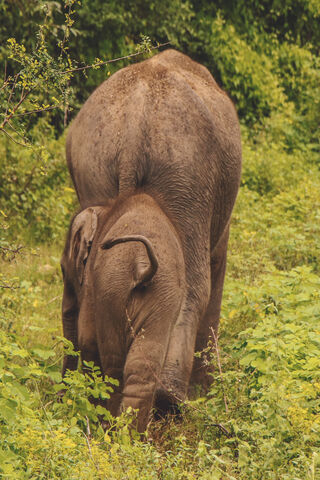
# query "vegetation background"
(261, 419)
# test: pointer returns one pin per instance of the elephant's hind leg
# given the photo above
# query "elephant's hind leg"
(210, 322)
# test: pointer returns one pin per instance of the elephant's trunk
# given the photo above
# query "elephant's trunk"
(149, 272)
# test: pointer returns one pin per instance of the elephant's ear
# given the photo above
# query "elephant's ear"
(83, 229)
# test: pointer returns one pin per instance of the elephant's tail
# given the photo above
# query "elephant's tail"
(147, 273)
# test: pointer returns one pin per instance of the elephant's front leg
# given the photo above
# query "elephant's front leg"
(142, 375)
(179, 360)
(70, 325)
(145, 359)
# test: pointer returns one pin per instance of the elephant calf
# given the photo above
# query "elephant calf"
(155, 158)
(124, 289)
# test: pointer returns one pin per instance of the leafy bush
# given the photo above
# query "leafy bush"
(37, 196)
(271, 376)
(246, 73)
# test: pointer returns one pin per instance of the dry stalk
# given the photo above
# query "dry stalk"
(88, 428)
(215, 339)
(88, 438)
(90, 451)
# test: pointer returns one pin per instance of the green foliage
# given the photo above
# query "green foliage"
(246, 72)
(36, 194)
(42, 81)
(78, 389)
(276, 186)
(274, 391)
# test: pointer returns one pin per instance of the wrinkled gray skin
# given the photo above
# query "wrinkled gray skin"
(154, 152)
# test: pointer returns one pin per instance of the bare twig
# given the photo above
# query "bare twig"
(13, 139)
(53, 299)
(7, 118)
(222, 429)
(11, 93)
(26, 141)
(5, 84)
(214, 336)
(38, 110)
(10, 287)
(79, 69)
(22, 92)
(65, 119)
(11, 251)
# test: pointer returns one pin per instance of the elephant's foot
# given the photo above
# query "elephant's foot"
(165, 404)
(139, 410)
(170, 393)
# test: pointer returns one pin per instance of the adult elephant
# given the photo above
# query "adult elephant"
(158, 137)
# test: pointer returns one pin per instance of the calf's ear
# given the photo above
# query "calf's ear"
(82, 233)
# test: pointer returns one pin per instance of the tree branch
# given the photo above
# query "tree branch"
(13, 139)
(79, 69)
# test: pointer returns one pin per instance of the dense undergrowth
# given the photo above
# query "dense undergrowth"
(261, 418)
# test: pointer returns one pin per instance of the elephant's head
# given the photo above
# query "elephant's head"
(129, 271)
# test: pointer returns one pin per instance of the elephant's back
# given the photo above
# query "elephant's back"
(162, 126)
